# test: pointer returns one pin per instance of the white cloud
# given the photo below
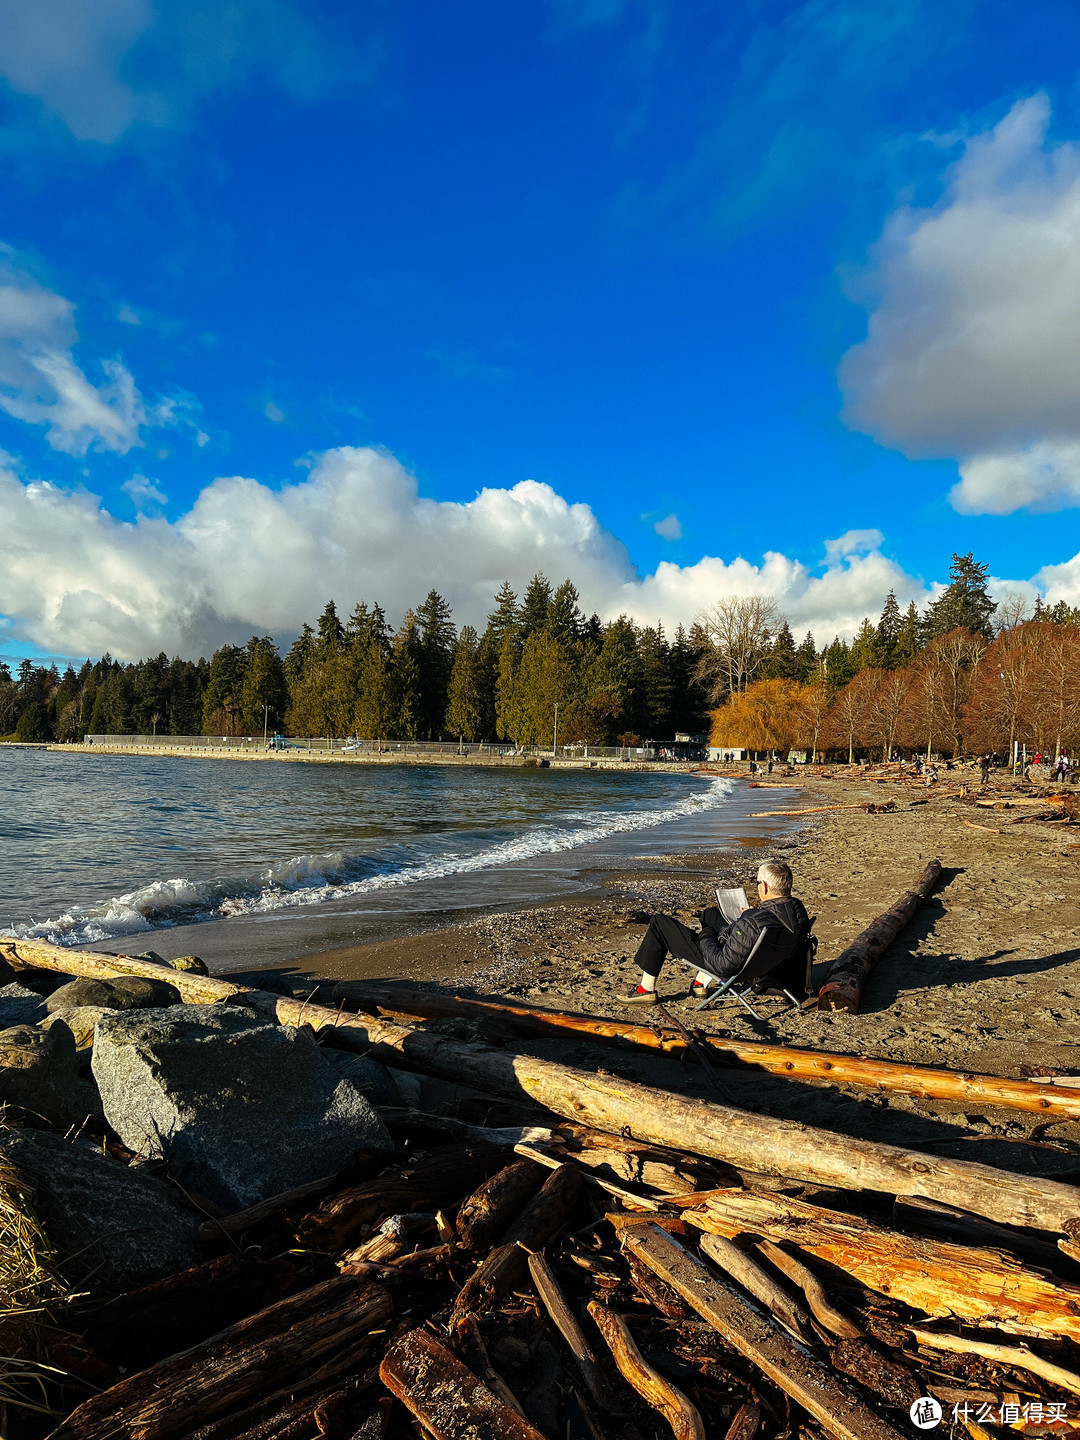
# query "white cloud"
(669, 528)
(852, 542)
(144, 493)
(973, 343)
(246, 557)
(273, 413)
(103, 66)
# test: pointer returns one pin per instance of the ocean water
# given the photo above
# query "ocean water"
(97, 849)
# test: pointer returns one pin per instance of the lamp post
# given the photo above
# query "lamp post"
(555, 734)
(266, 712)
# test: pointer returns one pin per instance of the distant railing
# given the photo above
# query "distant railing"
(387, 748)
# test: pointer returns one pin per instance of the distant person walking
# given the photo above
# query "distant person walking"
(1062, 767)
(984, 771)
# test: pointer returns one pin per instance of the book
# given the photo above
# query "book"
(732, 902)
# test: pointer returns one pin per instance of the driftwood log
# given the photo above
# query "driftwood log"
(445, 1396)
(783, 1060)
(486, 1213)
(748, 1141)
(978, 1286)
(170, 1398)
(838, 1410)
(1012, 1355)
(554, 1301)
(850, 970)
(680, 1413)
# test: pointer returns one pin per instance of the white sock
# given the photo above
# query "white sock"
(648, 982)
(703, 978)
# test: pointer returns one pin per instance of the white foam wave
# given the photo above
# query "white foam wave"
(316, 879)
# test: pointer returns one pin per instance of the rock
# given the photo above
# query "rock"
(19, 1006)
(126, 992)
(189, 963)
(7, 972)
(409, 1087)
(39, 1072)
(81, 1021)
(272, 981)
(119, 1226)
(369, 1076)
(151, 957)
(240, 1106)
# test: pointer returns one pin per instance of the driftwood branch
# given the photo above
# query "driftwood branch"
(824, 1312)
(677, 1410)
(445, 1396)
(549, 1291)
(1016, 1355)
(752, 1277)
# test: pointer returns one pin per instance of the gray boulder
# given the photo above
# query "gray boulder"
(19, 1006)
(369, 1076)
(240, 1106)
(39, 1072)
(81, 1020)
(118, 1226)
(126, 992)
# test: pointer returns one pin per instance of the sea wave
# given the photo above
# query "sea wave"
(316, 879)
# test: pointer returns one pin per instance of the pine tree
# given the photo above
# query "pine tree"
(888, 631)
(782, 663)
(436, 660)
(223, 702)
(404, 706)
(654, 706)
(564, 619)
(331, 631)
(463, 696)
(837, 664)
(965, 603)
(806, 660)
(301, 653)
(535, 605)
(909, 637)
(264, 696)
(502, 621)
(865, 654)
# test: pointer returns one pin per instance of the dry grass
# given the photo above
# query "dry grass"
(29, 1288)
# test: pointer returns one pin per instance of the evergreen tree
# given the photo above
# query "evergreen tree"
(264, 694)
(888, 631)
(223, 701)
(865, 654)
(836, 661)
(965, 603)
(437, 638)
(463, 696)
(806, 660)
(688, 703)
(908, 639)
(564, 619)
(654, 706)
(331, 632)
(782, 663)
(592, 631)
(534, 606)
(404, 708)
(301, 653)
(502, 621)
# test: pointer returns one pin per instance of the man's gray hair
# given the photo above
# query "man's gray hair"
(776, 875)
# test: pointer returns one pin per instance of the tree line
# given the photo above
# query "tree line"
(907, 678)
(967, 675)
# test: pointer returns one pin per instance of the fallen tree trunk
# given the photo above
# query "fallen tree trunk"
(170, 1398)
(978, 1286)
(486, 1213)
(850, 970)
(445, 1396)
(758, 1143)
(783, 1360)
(783, 1060)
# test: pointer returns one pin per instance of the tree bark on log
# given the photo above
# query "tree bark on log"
(787, 1364)
(680, 1413)
(486, 1213)
(445, 1396)
(748, 1273)
(172, 1397)
(213, 1231)
(850, 970)
(539, 1222)
(759, 1143)
(978, 1286)
(783, 1060)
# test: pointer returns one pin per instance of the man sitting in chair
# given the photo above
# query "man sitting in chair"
(721, 950)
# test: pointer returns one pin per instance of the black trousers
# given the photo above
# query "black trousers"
(668, 936)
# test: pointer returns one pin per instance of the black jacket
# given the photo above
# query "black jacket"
(727, 947)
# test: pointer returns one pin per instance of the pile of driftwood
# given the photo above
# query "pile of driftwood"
(567, 1253)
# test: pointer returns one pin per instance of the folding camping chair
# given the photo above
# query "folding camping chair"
(764, 958)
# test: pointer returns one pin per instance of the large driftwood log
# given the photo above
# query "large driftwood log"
(486, 1213)
(748, 1141)
(783, 1060)
(541, 1220)
(680, 1413)
(445, 1396)
(838, 1410)
(850, 970)
(979, 1286)
(170, 1398)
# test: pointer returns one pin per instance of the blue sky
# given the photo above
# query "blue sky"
(381, 259)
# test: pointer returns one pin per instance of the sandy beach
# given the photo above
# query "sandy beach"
(986, 978)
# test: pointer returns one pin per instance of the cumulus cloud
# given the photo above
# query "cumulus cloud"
(78, 57)
(247, 558)
(973, 343)
(670, 528)
(144, 493)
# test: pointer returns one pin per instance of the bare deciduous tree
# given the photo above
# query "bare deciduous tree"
(739, 630)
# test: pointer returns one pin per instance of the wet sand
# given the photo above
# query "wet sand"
(986, 978)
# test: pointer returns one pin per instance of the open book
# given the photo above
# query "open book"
(732, 902)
